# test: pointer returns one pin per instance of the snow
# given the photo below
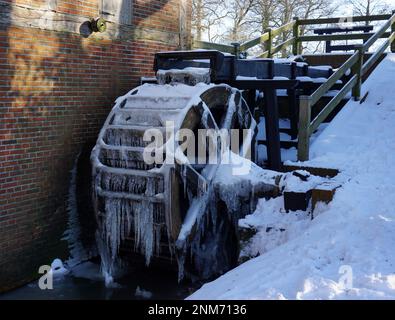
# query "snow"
(347, 251)
(226, 173)
(58, 269)
(273, 225)
(290, 182)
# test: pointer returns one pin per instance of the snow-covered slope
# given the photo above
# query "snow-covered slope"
(348, 250)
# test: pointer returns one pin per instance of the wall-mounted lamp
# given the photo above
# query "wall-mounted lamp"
(98, 25)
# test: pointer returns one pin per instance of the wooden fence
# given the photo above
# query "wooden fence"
(355, 63)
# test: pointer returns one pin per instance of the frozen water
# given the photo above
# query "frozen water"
(78, 253)
(140, 292)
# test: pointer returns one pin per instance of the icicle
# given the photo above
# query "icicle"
(144, 229)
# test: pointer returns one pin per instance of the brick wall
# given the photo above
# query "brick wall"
(56, 89)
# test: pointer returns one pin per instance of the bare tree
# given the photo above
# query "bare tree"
(240, 20)
(275, 13)
(239, 11)
(369, 7)
(207, 14)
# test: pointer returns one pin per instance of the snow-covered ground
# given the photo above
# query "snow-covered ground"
(348, 250)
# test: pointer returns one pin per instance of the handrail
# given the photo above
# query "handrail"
(213, 46)
(254, 42)
(332, 104)
(358, 69)
(376, 56)
(355, 63)
(379, 33)
(324, 88)
(282, 45)
(286, 27)
(267, 37)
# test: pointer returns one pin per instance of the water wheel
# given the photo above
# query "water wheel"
(160, 207)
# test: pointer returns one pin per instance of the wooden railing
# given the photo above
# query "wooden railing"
(267, 39)
(358, 69)
(354, 63)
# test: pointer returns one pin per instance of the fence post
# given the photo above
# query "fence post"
(236, 47)
(393, 30)
(269, 43)
(357, 70)
(192, 42)
(296, 33)
(304, 128)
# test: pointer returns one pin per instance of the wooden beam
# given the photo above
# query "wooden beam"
(304, 128)
(296, 34)
(376, 56)
(286, 27)
(252, 43)
(356, 70)
(350, 36)
(379, 33)
(339, 19)
(213, 46)
(283, 45)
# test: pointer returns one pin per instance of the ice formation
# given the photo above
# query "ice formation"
(78, 253)
(132, 198)
(190, 75)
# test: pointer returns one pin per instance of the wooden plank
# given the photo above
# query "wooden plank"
(317, 171)
(304, 128)
(252, 43)
(269, 43)
(213, 46)
(379, 34)
(286, 27)
(264, 55)
(356, 69)
(376, 56)
(324, 193)
(332, 37)
(272, 129)
(266, 36)
(340, 19)
(283, 45)
(332, 104)
(342, 30)
(296, 47)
